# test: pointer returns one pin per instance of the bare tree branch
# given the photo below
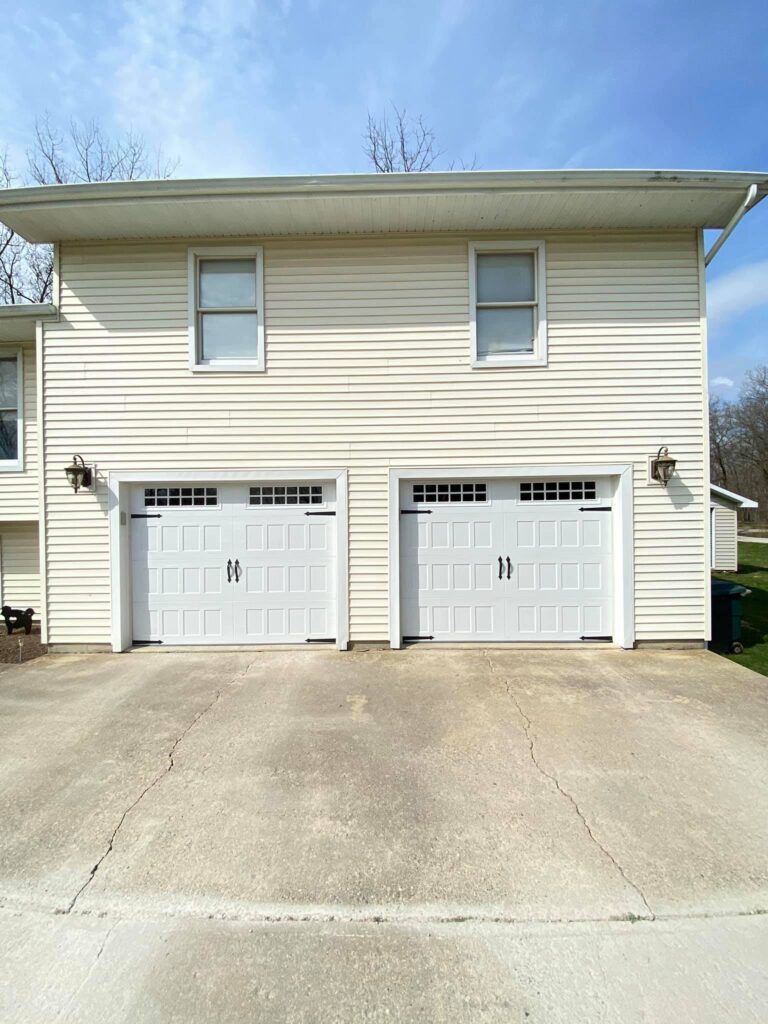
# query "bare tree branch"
(402, 144)
(82, 153)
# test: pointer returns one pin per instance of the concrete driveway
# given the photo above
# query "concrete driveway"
(427, 835)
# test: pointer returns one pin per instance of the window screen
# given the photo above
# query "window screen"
(506, 303)
(9, 408)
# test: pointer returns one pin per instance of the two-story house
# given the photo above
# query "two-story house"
(368, 408)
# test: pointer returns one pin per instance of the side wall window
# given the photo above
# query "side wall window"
(507, 304)
(11, 411)
(226, 308)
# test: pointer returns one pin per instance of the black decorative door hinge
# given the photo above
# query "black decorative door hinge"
(415, 511)
(146, 515)
(595, 508)
(321, 640)
(412, 639)
(319, 513)
(599, 639)
(145, 643)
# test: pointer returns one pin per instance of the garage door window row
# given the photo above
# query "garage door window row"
(177, 497)
(558, 490)
(286, 494)
(449, 492)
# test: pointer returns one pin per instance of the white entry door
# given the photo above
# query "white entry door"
(506, 560)
(234, 563)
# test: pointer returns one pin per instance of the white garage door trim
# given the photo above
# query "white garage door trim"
(119, 484)
(622, 527)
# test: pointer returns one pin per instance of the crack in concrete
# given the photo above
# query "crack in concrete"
(73, 999)
(531, 739)
(160, 775)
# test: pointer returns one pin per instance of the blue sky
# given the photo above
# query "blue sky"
(282, 87)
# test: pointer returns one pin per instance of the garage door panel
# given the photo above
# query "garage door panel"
(507, 567)
(281, 585)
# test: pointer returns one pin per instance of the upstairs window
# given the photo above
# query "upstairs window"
(226, 309)
(507, 304)
(10, 411)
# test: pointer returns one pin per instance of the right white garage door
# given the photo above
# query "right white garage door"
(493, 560)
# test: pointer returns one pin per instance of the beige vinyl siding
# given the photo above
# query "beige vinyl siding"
(19, 497)
(725, 545)
(20, 565)
(367, 348)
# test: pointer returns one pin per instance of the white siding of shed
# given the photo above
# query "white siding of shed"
(19, 492)
(368, 367)
(20, 565)
(725, 544)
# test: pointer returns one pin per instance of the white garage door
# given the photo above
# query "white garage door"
(506, 560)
(234, 563)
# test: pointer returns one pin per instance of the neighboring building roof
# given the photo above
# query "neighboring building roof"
(17, 322)
(374, 203)
(736, 499)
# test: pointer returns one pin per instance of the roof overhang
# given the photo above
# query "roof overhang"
(17, 323)
(378, 203)
(737, 499)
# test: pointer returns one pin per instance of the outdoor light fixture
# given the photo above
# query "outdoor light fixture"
(78, 474)
(663, 466)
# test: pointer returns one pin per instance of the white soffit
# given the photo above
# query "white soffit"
(379, 203)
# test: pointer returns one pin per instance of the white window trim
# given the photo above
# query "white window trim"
(16, 465)
(194, 255)
(539, 355)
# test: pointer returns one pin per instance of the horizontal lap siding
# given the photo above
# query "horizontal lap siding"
(19, 492)
(20, 554)
(368, 367)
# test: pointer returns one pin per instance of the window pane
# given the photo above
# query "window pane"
(9, 448)
(504, 331)
(227, 283)
(228, 335)
(9, 381)
(505, 277)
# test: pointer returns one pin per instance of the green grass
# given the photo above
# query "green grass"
(753, 573)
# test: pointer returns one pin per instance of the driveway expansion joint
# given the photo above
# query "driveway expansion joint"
(171, 764)
(531, 740)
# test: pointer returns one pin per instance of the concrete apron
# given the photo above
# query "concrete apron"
(435, 835)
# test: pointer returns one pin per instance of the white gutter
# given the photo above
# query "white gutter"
(746, 204)
(378, 184)
(27, 311)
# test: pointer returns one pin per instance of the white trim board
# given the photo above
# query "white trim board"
(623, 533)
(119, 483)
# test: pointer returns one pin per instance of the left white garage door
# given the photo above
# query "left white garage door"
(234, 563)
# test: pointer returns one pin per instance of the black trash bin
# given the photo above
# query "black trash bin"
(726, 615)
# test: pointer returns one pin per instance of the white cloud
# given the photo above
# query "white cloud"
(191, 75)
(738, 291)
(722, 382)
